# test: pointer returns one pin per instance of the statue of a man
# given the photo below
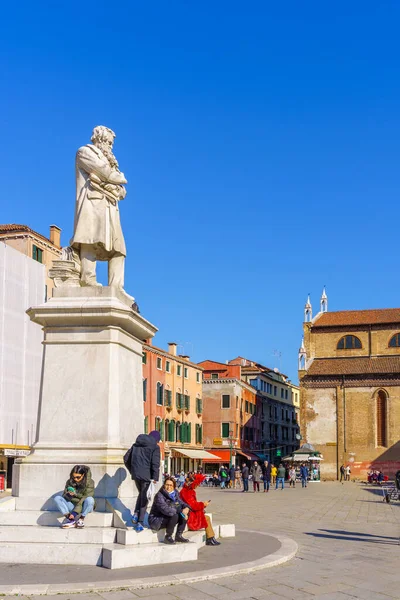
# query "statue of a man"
(97, 228)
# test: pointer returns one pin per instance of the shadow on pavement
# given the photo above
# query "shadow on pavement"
(351, 536)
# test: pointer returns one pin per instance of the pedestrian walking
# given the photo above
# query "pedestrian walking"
(181, 480)
(274, 471)
(280, 477)
(256, 473)
(303, 475)
(342, 473)
(238, 478)
(223, 475)
(292, 476)
(245, 477)
(143, 463)
(231, 476)
(266, 475)
(348, 471)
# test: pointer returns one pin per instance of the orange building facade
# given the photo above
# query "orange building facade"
(173, 405)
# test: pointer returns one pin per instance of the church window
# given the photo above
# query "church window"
(381, 418)
(349, 342)
(395, 341)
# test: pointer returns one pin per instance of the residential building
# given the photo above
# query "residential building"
(22, 285)
(35, 245)
(231, 417)
(173, 405)
(349, 371)
(277, 398)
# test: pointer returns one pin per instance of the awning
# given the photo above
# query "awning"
(200, 454)
(261, 455)
(248, 455)
(219, 456)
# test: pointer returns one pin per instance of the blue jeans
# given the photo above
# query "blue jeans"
(266, 484)
(303, 482)
(245, 485)
(282, 482)
(66, 507)
(223, 480)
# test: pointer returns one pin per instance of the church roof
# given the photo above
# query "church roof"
(358, 365)
(345, 318)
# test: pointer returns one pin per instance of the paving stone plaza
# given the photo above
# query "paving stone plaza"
(348, 547)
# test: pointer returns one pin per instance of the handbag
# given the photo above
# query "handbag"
(151, 490)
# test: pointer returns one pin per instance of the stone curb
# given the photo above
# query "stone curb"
(287, 551)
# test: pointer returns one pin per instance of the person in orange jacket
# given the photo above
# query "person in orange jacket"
(197, 519)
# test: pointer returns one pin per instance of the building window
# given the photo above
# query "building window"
(275, 390)
(349, 342)
(186, 399)
(160, 393)
(179, 401)
(197, 377)
(159, 363)
(286, 394)
(199, 406)
(225, 430)
(168, 398)
(226, 401)
(254, 383)
(144, 358)
(237, 402)
(214, 375)
(395, 341)
(381, 417)
(179, 370)
(282, 392)
(144, 390)
(167, 366)
(37, 253)
(171, 431)
(246, 406)
(186, 373)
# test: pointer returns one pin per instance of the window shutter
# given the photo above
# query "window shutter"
(162, 430)
(144, 390)
(200, 434)
(171, 436)
(189, 433)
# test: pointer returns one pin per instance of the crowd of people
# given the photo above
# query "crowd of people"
(263, 475)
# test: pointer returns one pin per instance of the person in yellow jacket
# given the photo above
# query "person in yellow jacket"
(274, 471)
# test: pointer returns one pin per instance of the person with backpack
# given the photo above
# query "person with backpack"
(223, 475)
(143, 463)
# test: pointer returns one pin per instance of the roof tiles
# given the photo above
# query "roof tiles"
(358, 317)
(355, 366)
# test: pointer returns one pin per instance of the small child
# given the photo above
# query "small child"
(77, 500)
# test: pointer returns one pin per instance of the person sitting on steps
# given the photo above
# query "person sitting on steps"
(169, 510)
(197, 519)
(77, 500)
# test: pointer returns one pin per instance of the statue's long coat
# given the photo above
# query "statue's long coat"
(97, 220)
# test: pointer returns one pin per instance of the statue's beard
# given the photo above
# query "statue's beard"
(105, 149)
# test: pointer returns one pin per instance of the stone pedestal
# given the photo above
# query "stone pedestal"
(91, 399)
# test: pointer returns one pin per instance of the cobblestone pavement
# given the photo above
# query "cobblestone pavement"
(348, 546)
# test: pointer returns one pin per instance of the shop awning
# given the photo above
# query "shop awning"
(248, 455)
(200, 454)
(261, 455)
(219, 456)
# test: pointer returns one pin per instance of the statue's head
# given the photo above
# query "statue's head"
(103, 136)
(103, 139)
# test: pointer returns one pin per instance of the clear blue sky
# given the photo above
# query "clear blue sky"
(260, 141)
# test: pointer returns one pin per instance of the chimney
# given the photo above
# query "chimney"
(172, 348)
(55, 235)
(185, 357)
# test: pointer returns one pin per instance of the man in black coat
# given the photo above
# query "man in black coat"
(143, 463)
(245, 477)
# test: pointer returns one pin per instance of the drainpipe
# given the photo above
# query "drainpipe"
(344, 415)
(337, 435)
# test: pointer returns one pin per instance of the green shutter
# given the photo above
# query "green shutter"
(146, 424)
(144, 358)
(189, 433)
(162, 430)
(200, 434)
(171, 434)
(144, 390)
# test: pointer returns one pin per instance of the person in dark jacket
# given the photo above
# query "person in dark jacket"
(303, 475)
(245, 477)
(266, 475)
(231, 476)
(77, 500)
(143, 463)
(169, 510)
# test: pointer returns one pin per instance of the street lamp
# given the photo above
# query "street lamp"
(230, 446)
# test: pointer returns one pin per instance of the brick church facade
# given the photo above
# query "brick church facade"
(349, 372)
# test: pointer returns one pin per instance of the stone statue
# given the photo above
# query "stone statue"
(97, 228)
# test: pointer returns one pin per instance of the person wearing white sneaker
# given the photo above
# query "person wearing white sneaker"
(77, 500)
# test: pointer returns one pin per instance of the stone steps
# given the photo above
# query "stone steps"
(116, 556)
(51, 518)
(55, 535)
(51, 554)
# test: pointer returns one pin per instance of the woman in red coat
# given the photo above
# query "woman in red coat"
(197, 519)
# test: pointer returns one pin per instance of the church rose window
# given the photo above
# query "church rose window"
(349, 342)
